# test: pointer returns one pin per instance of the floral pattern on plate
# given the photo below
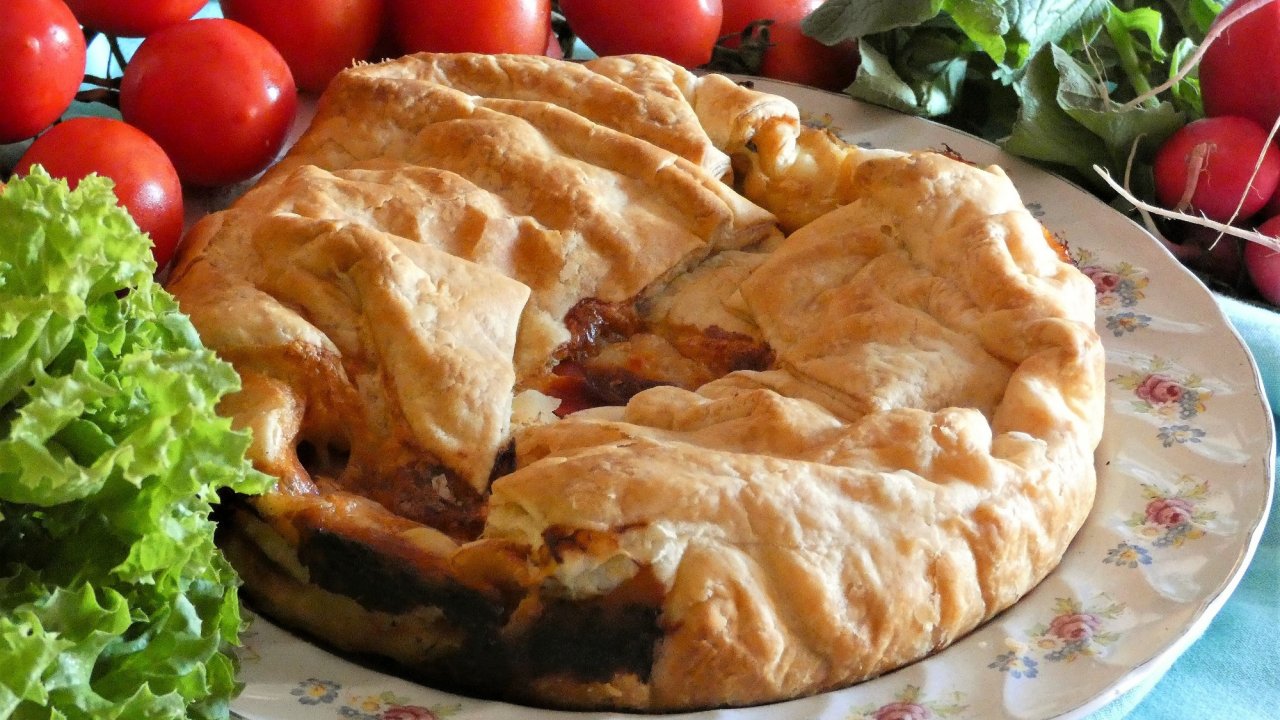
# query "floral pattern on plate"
(1170, 518)
(1118, 289)
(912, 704)
(1174, 517)
(819, 121)
(384, 705)
(1120, 285)
(1127, 321)
(1174, 398)
(1076, 630)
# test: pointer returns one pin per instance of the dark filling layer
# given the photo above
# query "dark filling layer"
(613, 385)
(589, 640)
(724, 351)
(592, 323)
(348, 567)
(427, 493)
(595, 639)
(580, 381)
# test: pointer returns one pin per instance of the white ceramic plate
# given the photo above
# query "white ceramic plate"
(1184, 486)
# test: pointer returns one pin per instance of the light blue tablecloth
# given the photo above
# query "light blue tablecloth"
(1233, 671)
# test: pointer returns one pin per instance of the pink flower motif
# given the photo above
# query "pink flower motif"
(1169, 512)
(1104, 281)
(407, 712)
(903, 711)
(1074, 627)
(1159, 389)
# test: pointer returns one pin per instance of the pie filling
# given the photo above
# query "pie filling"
(614, 354)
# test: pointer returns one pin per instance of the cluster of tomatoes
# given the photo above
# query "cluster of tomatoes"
(202, 102)
(209, 101)
(1224, 167)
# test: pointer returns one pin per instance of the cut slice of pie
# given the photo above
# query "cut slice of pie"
(611, 386)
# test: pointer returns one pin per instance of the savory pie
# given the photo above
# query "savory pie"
(608, 385)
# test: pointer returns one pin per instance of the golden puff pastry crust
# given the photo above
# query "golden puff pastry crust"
(611, 386)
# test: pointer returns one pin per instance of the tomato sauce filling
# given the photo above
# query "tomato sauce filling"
(613, 354)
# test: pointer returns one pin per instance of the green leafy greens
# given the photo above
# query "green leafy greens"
(1056, 81)
(114, 601)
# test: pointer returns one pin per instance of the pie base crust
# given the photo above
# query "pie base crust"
(860, 390)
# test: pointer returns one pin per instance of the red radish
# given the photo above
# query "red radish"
(1240, 70)
(1273, 205)
(1211, 254)
(1206, 165)
(1263, 263)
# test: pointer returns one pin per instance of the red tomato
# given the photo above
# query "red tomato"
(146, 183)
(318, 38)
(793, 56)
(133, 18)
(486, 26)
(738, 14)
(43, 57)
(798, 58)
(1240, 70)
(216, 95)
(553, 46)
(682, 31)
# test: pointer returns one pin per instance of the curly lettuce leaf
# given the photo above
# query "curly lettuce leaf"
(114, 601)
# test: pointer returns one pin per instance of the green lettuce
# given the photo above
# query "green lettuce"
(114, 601)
